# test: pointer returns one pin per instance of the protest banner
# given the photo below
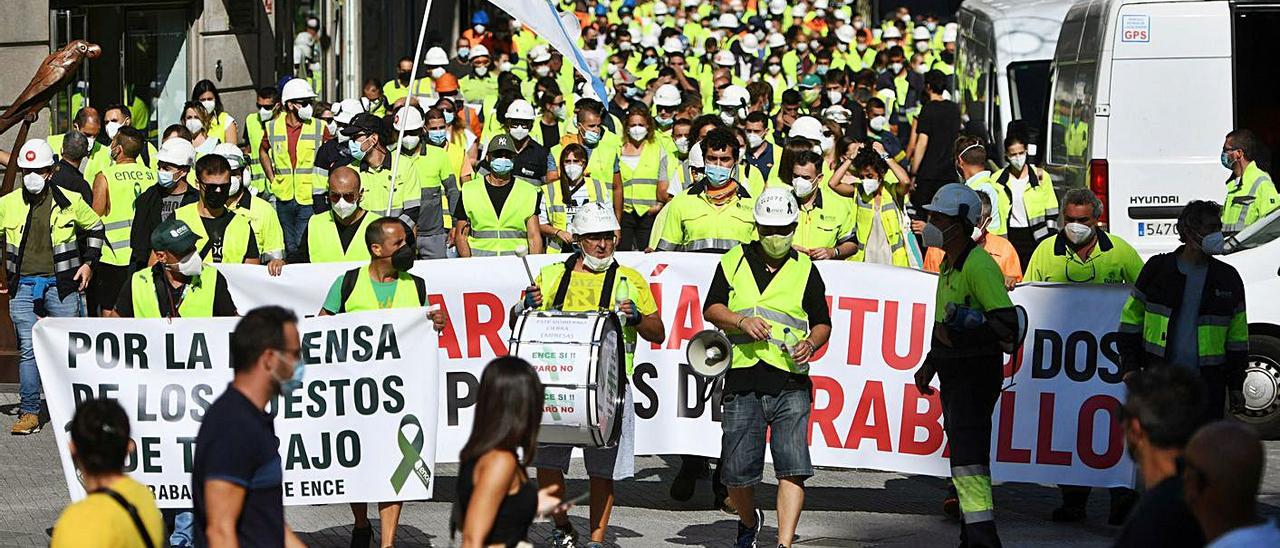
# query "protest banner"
(361, 428)
(1054, 424)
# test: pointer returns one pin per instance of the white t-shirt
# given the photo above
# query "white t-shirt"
(1263, 534)
(1018, 210)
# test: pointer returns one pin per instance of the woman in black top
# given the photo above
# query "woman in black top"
(496, 500)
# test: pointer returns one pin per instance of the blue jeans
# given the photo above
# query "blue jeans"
(746, 417)
(293, 221)
(36, 297)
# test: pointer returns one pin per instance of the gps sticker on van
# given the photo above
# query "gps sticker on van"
(1135, 28)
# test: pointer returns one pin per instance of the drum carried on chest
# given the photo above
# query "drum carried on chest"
(579, 358)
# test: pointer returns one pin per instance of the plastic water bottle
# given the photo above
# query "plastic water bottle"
(963, 317)
(789, 340)
(621, 294)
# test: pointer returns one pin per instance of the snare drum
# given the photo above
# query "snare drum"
(579, 358)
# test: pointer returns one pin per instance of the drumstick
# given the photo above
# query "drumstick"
(523, 252)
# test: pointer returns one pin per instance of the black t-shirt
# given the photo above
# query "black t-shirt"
(498, 197)
(762, 377)
(1162, 518)
(216, 228)
(940, 120)
(169, 301)
(237, 443)
(550, 135)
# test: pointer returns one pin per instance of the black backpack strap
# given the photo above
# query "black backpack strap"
(133, 514)
(421, 285)
(349, 280)
(563, 288)
(606, 292)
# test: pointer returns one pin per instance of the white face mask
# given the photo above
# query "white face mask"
(208, 105)
(573, 171)
(754, 140)
(194, 125)
(112, 129)
(1017, 161)
(190, 265)
(870, 185)
(332, 127)
(235, 185)
(542, 70)
(638, 133)
(682, 144)
(411, 142)
(519, 133)
(344, 209)
(921, 68)
(895, 67)
(922, 46)
(596, 264)
(834, 96)
(727, 117)
(479, 29)
(878, 123)
(305, 113)
(481, 70)
(437, 72)
(504, 66)
(33, 182)
(826, 143)
(1078, 233)
(264, 114)
(803, 187)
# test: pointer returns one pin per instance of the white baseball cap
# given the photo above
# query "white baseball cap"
(347, 109)
(295, 89)
(668, 95)
(520, 110)
(436, 57)
(35, 154)
(176, 151)
(807, 127)
(956, 199)
(594, 218)
(409, 117)
(776, 206)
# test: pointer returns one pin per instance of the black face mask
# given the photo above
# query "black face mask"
(403, 76)
(402, 259)
(215, 196)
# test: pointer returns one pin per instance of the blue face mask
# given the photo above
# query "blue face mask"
(165, 179)
(437, 136)
(502, 166)
(354, 148)
(287, 386)
(1214, 243)
(591, 138)
(1225, 158)
(717, 174)
(448, 117)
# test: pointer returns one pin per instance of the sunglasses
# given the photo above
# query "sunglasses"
(350, 197)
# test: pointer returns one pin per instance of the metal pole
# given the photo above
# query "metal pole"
(409, 99)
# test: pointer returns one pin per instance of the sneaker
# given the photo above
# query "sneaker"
(563, 537)
(1068, 514)
(595, 545)
(362, 537)
(28, 423)
(747, 535)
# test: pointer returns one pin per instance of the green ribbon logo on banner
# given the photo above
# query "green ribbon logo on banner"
(411, 453)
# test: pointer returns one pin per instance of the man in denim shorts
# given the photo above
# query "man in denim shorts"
(770, 300)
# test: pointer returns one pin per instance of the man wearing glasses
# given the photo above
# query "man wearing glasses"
(1082, 253)
(335, 236)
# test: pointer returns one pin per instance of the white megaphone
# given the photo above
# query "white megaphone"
(709, 353)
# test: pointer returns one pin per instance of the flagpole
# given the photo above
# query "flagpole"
(409, 99)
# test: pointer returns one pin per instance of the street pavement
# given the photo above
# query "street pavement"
(843, 508)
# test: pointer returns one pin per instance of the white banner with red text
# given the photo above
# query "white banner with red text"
(1055, 423)
(361, 428)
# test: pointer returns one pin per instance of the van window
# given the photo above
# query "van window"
(1074, 93)
(1029, 87)
(1256, 50)
(973, 74)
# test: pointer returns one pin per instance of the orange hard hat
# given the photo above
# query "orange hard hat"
(447, 83)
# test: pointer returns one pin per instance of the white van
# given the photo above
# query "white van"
(1014, 42)
(1143, 95)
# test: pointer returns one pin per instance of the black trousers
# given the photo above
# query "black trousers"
(636, 229)
(970, 390)
(105, 286)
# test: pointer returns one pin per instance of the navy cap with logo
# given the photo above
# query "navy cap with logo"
(173, 236)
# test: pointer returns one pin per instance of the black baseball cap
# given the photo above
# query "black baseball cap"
(363, 123)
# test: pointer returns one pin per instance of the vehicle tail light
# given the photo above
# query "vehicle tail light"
(1098, 183)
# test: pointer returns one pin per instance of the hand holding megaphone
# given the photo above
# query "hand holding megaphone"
(709, 353)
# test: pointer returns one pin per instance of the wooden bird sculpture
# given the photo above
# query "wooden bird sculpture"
(54, 74)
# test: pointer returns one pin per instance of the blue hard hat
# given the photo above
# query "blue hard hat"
(480, 18)
(280, 83)
(601, 9)
(629, 4)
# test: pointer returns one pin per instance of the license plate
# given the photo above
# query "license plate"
(1147, 230)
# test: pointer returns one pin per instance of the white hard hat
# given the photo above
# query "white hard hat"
(478, 51)
(921, 33)
(843, 16)
(888, 96)
(798, 11)
(734, 96)
(672, 44)
(232, 153)
(777, 40)
(891, 32)
(957, 200)
(725, 58)
(949, 34)
(176, 151)
(777, 7)
(807, 127)
(520, 110)
(727, 21)
(668, 95)
(35, 154)
(821, 4)
(660, 8)
(296, 88)
(539, 54)
(695, 156)
(347, 109)
(649, 41)
(845, 34)
(409, 117)
(776, 206)
(750, 44)
(436, 57)
(837, 114)
(594, 218)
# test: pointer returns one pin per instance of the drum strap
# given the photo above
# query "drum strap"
(606, 293)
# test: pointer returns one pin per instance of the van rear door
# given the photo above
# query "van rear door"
(1170, 105)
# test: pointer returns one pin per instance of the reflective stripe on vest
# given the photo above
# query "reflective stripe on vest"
(640, 185)
(1244, 201)
(125, 182)
(780, 305)
(294, 183)
(889, 220)
(493, 232)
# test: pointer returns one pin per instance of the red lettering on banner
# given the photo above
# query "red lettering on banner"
(889, 340)
(448, 339)
(656, 289)
(1005, 451)
(858, 309)
(1044, 438)
(487, 329)
(688, 318)
(1084, 434)
(870, 406)
(825, 418)
(930, 419)
(821, 351)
